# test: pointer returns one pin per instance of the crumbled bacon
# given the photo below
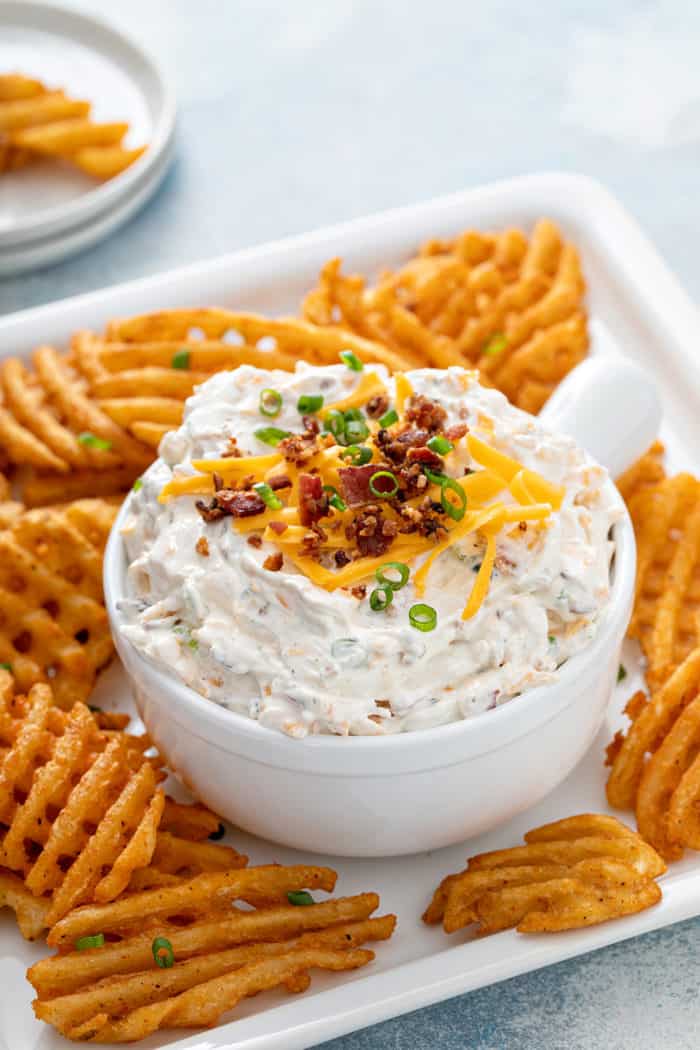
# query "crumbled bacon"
(300, 448)
(426, 413)
(377, 406)
(279, 481)
(255, 541)
(202, 546)
(341, 558)
(456, 431)
(313, 501)
(354, 482)
(367, 531)
(359, 591)
(426, 457)
(231, 502)
(313, 540)
(394, 447)
(231, 450)
(279, 527)
(274, 562)
(427, 519)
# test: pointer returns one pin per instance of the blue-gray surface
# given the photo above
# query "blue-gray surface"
(299, 114)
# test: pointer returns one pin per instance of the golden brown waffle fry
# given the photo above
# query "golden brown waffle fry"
(654, 767)
(203, 895)
(53, 624)
(9, 509)
(510, 307)
(666, 518)
(648, 470)
(39, 490)
(16, 115)
(574, 872)
(16, 85)
(104, 162)
(189, 822)
(117, 991)
(30, 911)
(61, 138)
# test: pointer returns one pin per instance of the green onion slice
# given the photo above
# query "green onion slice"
(388, 418)
(181, 359)
(95, 941)
(270, 402)
(138, 485)
(383, 493)
(308, 403)
(6, 667)
(356, 430)
(440, 445)
(381, 597)
(351, 360)
(93, 441)
(163, 953)
(268, 495)
(454, 510)
(422, 617)
(352, 413)
(335, 499)
(300, 898)
(495, 344)
(621, 673)
(271, 435)
(357, 454)
(334, 423)
(393, 566)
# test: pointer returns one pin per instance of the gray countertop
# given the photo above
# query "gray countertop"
(297, 115)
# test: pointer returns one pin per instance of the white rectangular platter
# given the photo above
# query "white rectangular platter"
(633, 298)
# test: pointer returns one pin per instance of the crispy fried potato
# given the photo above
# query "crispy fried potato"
(509, 306)
(30, 911)
(63, 137)
(104, 162)
(648, 470)
(574, 872)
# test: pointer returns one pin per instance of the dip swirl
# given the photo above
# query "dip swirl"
(239, 621)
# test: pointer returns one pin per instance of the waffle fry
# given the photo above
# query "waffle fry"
(512, 308)
(117, 993)
(53, 625)
(36, 122)
(9, 509)
(30, 911)
(654, 769)
(647, 471)
(666, 518)
(575, 872)
(41, 490)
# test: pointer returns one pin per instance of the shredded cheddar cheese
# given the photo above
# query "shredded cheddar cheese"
(369, 386)
(404, 391)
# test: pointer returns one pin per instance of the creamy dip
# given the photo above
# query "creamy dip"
(278, 648)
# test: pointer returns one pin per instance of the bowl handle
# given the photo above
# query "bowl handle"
(611, 407)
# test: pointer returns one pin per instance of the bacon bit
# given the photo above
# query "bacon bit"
(377, 406)
(274, 562)
(426, 457)
(359, 592)
(394, 447)
(383, 703)
(279, 481)
(425, 413)
(522, 525)
(228, 501)
(255, 541)
(202, 546)
(279, 527)
(218, 481)
(367, 530)
(313, 540)
(426, 519)
(376, 718)
(456, 431)
(300, 448)
(231, 449)
(354, 482)
(313, 501)
(341, 558)
(247, 482)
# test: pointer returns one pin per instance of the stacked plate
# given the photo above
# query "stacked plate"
(48, 212)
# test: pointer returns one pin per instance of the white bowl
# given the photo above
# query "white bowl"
(384, 796)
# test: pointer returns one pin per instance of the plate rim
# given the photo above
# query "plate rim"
(105, 195)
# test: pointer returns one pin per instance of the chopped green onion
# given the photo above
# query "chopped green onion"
(454, 510)
(335, 499)
(393, 566)
(163, 953)
(181, 359)
(621, 673)
(90, 942)
(351, 360)
(138, 485)
(193, 644)
(334, 423)
(383, 493)
(352, 413)
(300, 898)
(218, 834)
(357, 454)
(270, 402)
(495, 344)
(268, 495)
(92, 441)
(440, 445)
(422, 617)
(551, 639)
(436, 479)
(356, 430)
(381, 597)
(388, 418)
(271, 435)
(309, 403)
(6, 667)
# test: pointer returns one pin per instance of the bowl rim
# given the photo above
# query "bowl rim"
(223, 719)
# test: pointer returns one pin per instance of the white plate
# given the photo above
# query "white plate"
(93, 61)
(634, 297)
(34, 254)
